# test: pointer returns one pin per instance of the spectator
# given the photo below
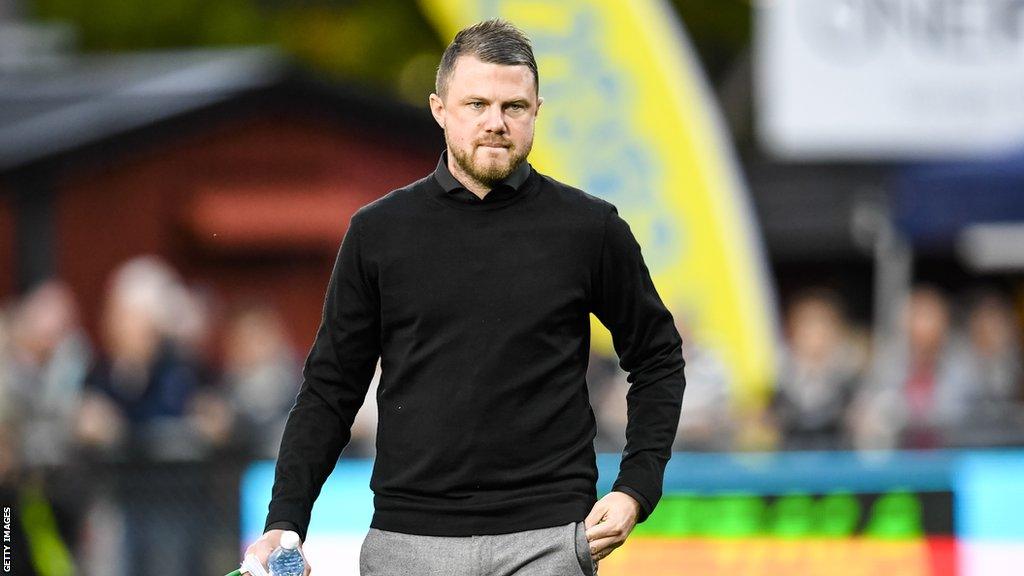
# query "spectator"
(49, 358)
(145, 402)
(995, 359)
(193, 332)
(920, 387)
(142, 395)
(604, 380)
(261, 376)
(706, 421)
(139, 389)
(819, 373)
(610, 411)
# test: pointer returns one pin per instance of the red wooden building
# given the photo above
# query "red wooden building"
(235, 167)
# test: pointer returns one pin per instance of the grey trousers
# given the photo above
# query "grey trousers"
(555, 551)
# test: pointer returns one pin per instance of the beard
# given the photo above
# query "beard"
(489, 172)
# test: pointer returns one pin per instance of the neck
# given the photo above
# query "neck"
(471, 184)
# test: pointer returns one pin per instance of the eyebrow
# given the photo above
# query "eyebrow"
(523, 101)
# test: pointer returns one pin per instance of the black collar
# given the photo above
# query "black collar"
(456, 189)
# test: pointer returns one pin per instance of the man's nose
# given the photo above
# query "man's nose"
(494, 120)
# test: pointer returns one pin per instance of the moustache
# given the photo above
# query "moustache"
(500, 143)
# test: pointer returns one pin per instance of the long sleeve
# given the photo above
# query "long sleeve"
(335, 378)
(650, 350)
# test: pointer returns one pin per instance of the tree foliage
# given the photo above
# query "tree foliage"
(384, 43)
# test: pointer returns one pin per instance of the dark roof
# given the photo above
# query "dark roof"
(80, 99)
(74, 102)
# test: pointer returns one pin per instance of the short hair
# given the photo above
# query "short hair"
(493, 41)
(821, 296)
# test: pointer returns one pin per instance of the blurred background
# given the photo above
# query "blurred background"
(829, 195)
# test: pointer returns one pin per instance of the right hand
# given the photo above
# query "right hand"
(267, 544)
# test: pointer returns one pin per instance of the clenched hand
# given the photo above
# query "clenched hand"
(610, 522)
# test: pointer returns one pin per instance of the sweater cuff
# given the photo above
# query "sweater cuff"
(645, 505)
(284, 525)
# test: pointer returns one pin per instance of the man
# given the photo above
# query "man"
(474, 287)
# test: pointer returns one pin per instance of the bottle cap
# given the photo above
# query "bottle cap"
(289, 540)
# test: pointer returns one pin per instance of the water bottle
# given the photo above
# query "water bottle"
(286, 560)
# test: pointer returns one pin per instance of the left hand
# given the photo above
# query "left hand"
(610, 522)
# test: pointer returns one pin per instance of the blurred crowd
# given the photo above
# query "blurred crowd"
(950, 375)
(151, 388)
(174, 375)
(96, 430)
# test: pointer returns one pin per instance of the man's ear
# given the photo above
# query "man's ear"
(540, 100)
(437, 109)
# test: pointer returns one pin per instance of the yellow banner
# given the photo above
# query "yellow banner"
(627, 116)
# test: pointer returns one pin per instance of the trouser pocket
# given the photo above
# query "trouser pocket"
(583, 551)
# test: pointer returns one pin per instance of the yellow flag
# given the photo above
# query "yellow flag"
(628, 117)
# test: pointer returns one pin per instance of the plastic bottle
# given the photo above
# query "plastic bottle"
(286, 560)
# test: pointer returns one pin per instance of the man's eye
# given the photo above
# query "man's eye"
(516, 107)
(476, 105)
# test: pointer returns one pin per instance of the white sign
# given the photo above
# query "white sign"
(889, 79)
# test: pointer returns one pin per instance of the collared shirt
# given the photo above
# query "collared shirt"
(502, 190)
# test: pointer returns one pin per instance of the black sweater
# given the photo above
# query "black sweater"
(479, 312)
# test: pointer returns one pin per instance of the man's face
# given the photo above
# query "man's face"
(488, 118)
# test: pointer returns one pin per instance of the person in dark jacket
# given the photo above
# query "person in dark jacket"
(474, 286)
